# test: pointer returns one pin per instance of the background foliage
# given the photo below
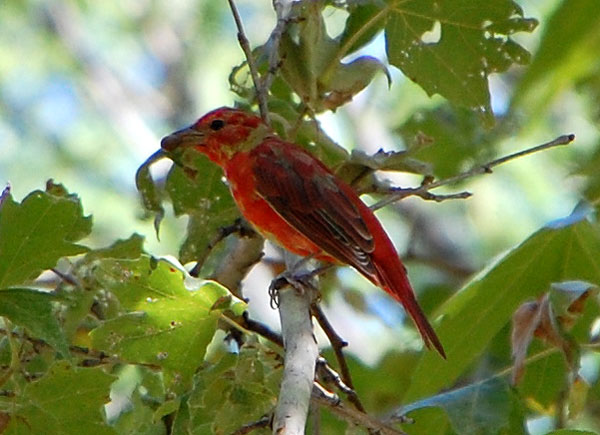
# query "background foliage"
(101, 332)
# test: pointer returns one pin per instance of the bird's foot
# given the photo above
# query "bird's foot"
(301, 281)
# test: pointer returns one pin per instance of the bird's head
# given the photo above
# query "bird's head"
(219, 134)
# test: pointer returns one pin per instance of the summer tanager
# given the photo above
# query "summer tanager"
(295, 200)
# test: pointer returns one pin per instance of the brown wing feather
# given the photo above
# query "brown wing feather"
(307, 196)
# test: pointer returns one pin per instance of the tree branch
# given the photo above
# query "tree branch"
(337, 344)
(247, 251)
(486, 168)
(301, 352)
(283, 9)
(332, 402)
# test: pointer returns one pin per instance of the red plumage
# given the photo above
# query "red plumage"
(295, 200)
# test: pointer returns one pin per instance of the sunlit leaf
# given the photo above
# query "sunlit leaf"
(450, 48)
(37, 232)
(164, 324)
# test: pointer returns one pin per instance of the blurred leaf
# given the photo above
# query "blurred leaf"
(547, 319)
(138, 419)
(66, 400)
(589, 169)
(577, 397)
(489, 407)
(312, 64)
(207, 201)
(145, 185)
(348, 79)
(527, 318)
(364, 21)
(568, 298)
(451, 47)
(571, 432)
(447, 138)
(33, 310)
(568, 52)
(37, 232)
(564, 250)
(373, 383)
(165, 324)
(544, 380)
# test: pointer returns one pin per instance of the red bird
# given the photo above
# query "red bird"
(295, 200)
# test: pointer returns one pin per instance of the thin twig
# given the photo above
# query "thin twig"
(241, 35)
(261, 329)
(486, 168)
(332, 402)
(259, 424)
(328, 374)
(337, 344)
(282, 9)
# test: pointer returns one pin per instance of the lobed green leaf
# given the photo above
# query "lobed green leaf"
(37, 232)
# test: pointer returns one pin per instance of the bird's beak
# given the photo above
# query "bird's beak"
(188, 136)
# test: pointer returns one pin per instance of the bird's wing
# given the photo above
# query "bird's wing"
(310, 198)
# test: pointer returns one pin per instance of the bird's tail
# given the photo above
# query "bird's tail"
(395, 282)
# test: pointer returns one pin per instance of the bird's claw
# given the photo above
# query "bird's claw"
(300, 281)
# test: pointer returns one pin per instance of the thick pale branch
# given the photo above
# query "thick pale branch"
(486, 168)
(301, 353)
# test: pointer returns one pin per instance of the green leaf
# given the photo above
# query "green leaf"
(563, 295)
(312, 64)
(571, 432)
(147, 188)
(130, 248)
(362, 25)
(348, 79)
(165, 324)
(447, 139)
(138, 419)
(489, 407)
(66, 400)
(564, 250)
(451, 47)
(568, 52)
(33, 310)
(231, 393)
(208, 202)
(37, 232)
(544, 380)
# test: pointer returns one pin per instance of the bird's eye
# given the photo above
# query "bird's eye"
(217, 124)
